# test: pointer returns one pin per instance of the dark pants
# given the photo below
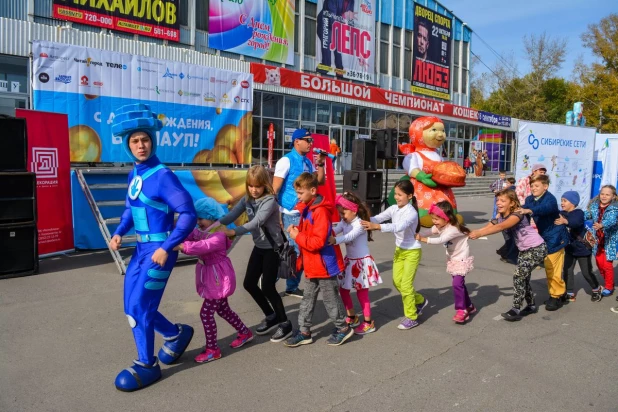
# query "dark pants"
(325, 33)
(460, 292)
(585, 265)
(265, 263)
(509, 251)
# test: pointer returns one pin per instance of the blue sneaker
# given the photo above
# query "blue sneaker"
(340, 335)
(607, 292)
(419, 308)
(173, 349)
(298, 339)
(138, 376)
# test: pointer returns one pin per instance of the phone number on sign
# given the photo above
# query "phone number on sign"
(95, 18)
(164, 32)
(350, 74)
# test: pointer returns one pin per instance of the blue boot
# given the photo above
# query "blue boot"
(138, 376)
(173, 349)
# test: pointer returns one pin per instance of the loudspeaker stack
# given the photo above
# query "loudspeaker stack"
(363, 180)
(18, 232)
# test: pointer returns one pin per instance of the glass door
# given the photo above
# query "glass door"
(336, 132)
(349, 135)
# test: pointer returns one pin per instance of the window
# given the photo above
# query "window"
(456, 52)
(466, 49)
(407, 55)
(377, 119)
(308, 110)
(351, 115)
(338, 111)
(384, 47)
(201, 14)
(272, 105)
(257, 104)
(292, 109)
(464, 82)
(323, 112)
(310, 28)
(183, 13)
(278, 126)
(364, 117)
(396, 61)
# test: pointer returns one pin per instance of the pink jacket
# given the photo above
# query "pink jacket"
(214, 273)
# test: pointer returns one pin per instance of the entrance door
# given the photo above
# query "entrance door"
(336, 132)
(349, 135)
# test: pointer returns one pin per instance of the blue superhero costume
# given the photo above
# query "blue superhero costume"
(154, 195)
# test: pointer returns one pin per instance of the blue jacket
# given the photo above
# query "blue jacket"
(287, 194)
(544, 212)
(576, 229)
(610, 227)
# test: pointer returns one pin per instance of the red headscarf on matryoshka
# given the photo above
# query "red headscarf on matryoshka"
(416, 135)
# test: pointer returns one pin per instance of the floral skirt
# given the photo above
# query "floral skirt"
(359, 274)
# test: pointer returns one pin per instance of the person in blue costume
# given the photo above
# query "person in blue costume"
(154, 195)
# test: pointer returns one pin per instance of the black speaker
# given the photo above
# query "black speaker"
(386, 140)
(367, 185)
(17, 197)
(19, 250)
(14, 142)
(375, 206)
(364, 154)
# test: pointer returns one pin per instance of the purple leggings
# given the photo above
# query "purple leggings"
(223, 309)
(462, 300)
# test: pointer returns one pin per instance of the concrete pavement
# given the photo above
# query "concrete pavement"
(65, 337)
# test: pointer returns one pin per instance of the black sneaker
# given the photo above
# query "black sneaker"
(297, 293)
(596, 295)
(339, 336)
(553, 304)
(298, 339)
(529, 310)
(267, 325)
(512, 315)
(283, 332)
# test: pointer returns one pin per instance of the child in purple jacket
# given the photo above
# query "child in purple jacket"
(215, 279)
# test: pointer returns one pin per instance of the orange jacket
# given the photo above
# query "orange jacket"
(334, 149)
(317, 257)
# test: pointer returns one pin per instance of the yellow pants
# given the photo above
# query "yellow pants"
(553, 270)
(405, 263)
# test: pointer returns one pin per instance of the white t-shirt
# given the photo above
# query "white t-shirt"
(404, 224)
(282, 168)
(415, 161)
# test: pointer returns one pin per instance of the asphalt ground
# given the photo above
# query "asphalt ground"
(64, 337)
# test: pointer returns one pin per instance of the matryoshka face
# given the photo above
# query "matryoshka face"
(434, 136)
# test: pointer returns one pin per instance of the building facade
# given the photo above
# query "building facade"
(343, 117)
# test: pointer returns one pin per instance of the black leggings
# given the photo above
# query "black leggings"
(585, 264)
(265, 263)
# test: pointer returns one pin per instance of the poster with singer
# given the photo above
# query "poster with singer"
(345, 39)
(431, 64)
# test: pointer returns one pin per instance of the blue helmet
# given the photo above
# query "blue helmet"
(133, 118)
(208, 208)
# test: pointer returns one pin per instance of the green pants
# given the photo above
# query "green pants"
(405, 263)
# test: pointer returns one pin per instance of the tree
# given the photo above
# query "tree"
(597, 84)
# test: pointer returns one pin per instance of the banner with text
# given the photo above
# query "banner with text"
(153, 18)
(206, 112)
(280, 76)
(567, 153)
(48, 157)
(431, 65)
(346, 33)
(257, 28)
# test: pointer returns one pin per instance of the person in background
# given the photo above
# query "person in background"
(287, 169)
(510, 183)
(496, 186)
(467, 165)
(335, 150)
(523, 185)
(576, 252)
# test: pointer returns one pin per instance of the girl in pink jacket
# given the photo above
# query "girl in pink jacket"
(214, 278)
(454, 236)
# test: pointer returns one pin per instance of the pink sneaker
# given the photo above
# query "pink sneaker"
(241, 339)
(461, 316)
(471, 310)
(365, 328)
(208, 355)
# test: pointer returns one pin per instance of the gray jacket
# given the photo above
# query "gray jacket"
(263, 214)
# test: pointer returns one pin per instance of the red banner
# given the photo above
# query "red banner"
(328, 190)
(325, 85)
(48, 157)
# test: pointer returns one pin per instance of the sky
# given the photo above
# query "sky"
(502, 24)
